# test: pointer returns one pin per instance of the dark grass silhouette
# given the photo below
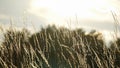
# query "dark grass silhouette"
(53, 47)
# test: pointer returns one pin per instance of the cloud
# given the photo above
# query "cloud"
(4, 16)
(60, 11)
(95, 13)
(13, 7)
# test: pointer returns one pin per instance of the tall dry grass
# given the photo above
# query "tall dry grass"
(57, 48)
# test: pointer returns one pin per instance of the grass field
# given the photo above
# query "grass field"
(53, 47)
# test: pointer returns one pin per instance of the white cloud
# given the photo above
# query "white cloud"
(4, 16)
(58, 11)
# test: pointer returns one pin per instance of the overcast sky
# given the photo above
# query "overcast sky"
(89, 14)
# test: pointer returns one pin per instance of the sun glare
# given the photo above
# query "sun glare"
(69, 8)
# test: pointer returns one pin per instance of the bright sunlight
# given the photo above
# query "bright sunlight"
(62, 10)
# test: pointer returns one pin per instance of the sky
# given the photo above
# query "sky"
(87, 14)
